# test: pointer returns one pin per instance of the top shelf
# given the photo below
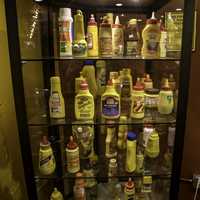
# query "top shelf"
(24, 60)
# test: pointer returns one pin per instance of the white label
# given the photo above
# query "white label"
(55, 104)
(146, 134)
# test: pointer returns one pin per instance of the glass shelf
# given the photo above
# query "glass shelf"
(159, 119)
(25, 60)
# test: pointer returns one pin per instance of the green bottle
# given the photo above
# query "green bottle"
(79, 43)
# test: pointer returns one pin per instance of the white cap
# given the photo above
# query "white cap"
(65, 12)
(117, 20)
(153, 16)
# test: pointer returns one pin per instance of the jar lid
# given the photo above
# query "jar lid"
(131, 136)
(152, 91)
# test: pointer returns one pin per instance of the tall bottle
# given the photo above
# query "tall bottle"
(47, 164)
(105, 38)
(129, 190)
(79, 187)
(137, 107)
(72, 154)
(65, 31)
(56, 100)
(110, 102)
(131, 152)
(56, 195)
(132, 39)
(79, 43)
(101, 76)
(173, 38)
(151, 38)
(117, 38)
(126, 91)
(165, 100)
(92, 37)
(88, 72)
(84, 103)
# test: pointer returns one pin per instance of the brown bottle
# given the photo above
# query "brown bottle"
(79, 187)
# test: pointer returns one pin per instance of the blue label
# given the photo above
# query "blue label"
(110, 107)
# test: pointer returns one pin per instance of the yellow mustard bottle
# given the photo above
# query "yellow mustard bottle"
(153, 145)
(92, 37)
(131, 152)
(151, 38)
(165, 100)
(110, 102)
(137, 107)
(84, 103)
(56, 195)
(79, 44)
(56, 100)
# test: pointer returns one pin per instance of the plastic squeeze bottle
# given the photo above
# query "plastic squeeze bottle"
(165, 100)
(153, 147)
(56, 195)
(47, 164)
(72, 154)
(65, 31)
(151, 38)
(131, 152)
(137, 108)
(129, 190)
(56, 100)
(79, 187)
(79, 43)
(92, 37)
(117, 38)
(110, 102)
(88, 72)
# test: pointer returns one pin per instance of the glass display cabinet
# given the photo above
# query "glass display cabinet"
(101, 91)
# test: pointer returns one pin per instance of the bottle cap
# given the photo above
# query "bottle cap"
(88, 62)
(55, 79)
(152, 91)
(166, 85)
(71, 144)
(114, 75)
(131, 136)
(148, 78)
(109, 83)
(153, 19)
(129, 184)
(113, 161)
(79, 12)
(44, 141)
(105, 22)
(117, 23)
(132, 21)
(92, 20)
(171, 77)
(84, 85)
(138, 86)
(65, 12)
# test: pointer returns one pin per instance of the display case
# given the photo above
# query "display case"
(107, 99)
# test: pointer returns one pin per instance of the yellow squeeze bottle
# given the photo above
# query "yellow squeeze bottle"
(92, 37)
(84, 103)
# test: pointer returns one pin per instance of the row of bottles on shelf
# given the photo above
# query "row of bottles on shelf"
(114, 39)
(122, 146)
(118, 97)
(130, 190)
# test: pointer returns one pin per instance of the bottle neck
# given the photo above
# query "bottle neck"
(56, 87)
(79, 32)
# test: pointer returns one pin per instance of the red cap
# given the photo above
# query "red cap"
(138, 86)
(148, 79)
(92, 21)
(152, 21)
(84, 85)
(129, 184)
(45, 140)
(71, 144)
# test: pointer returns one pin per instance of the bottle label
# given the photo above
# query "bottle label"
(110, 106)
(126, 88)
(73, 162)
(90, 41)
(146, 134)
(47, 163)
(106, 46)
(55, 104)
(65, 37)
(85, 107)
(138, 104)
(118, 41)
(132, 48)
(101, 77)
(151, 101)
(152, 42)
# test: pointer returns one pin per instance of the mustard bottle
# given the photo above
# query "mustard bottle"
(88, 72)
(129, 190)
(79, 44)
(84, 103)
(131, 152)
(56, 195)
(110, 102)
(47, 164)
(165, 100)
(78, 82)
(56, 100)
(117, 38)
(151, 39)
(137, 107)
(92, 37)
(153, 147)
